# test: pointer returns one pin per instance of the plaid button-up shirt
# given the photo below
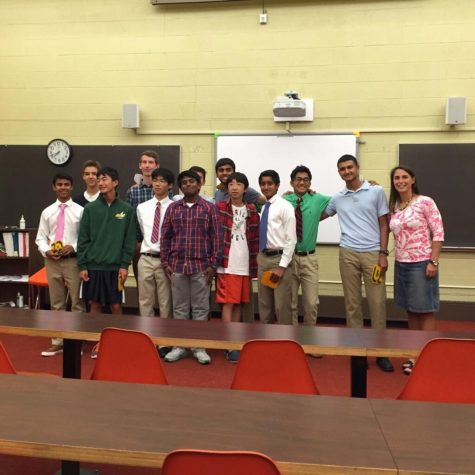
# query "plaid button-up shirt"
(252, 233)
(136, 195)
(191, 239)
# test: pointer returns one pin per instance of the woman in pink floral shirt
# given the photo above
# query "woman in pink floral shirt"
(417, 227)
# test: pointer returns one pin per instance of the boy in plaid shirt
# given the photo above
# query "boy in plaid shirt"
(190, 246)
(240, 224)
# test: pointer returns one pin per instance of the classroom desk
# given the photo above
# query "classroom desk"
(428, 438)
(215, 334)
(137, 425)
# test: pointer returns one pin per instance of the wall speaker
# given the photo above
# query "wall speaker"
(130, 116)
(456, 110)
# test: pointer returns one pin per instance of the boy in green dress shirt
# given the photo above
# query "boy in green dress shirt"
(305, 262)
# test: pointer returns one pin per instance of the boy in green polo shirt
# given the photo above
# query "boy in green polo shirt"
(310, 206)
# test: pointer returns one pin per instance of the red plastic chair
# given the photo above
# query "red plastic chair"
(6, 366)
(35, 282)
(208, 462)
(128, 356)
(274, 366)
(444, 372)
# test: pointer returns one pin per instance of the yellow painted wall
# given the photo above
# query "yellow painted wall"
(382, 67)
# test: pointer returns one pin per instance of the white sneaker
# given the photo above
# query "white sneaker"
(176, 354)
(95, 351)
(201, 355)
(53, 350)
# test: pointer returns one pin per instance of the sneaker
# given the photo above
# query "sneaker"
(53, 350)
(384, 364)
(201, 356)
(232, 356)
(407, 371)
(95, 351)
(176, 354)
(409, 363)
(163, 350)
(316, 355)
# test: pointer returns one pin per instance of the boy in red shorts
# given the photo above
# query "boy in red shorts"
(240, 222)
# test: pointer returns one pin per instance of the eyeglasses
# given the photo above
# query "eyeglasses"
(300, 179)
(160, 180)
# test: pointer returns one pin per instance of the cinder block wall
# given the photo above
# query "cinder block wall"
(382, 67)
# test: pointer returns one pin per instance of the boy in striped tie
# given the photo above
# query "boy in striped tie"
(309, 207)
(151, 275)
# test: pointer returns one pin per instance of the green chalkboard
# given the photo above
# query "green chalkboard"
(446, 172)
(25, 183)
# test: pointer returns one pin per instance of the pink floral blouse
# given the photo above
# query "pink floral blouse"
(413, 229)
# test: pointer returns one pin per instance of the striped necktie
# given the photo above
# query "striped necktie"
(156, 223)
(298, 219)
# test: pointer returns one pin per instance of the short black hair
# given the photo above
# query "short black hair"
(347, 158)
(300, 169)
(196, 168)
(165, 174)
(239, 177)
(189, 174)
(225, 161)
(62, 176)
(151, 154)
(272, 174)
(109, 171)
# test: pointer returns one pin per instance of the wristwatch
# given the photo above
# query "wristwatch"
(384, 252)
(434, 262)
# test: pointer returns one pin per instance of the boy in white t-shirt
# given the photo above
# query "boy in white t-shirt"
(240, 222)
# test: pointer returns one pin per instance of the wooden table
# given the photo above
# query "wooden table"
(428, 438)
(215, 334)
(134, 424)
(137, 425)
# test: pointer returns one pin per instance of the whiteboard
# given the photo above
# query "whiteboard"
(253, 154)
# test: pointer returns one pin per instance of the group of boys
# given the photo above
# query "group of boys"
(181, 243)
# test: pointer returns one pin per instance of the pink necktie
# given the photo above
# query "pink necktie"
(60, 223)
(156, 223)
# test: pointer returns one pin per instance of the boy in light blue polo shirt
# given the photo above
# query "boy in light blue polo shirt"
(362, 212)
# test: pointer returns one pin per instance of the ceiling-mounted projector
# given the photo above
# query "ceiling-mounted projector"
(289, 105)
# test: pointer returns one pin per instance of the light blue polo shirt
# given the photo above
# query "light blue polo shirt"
(358, 212)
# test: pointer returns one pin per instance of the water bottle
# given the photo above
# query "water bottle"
(22, 222)
(19, 300)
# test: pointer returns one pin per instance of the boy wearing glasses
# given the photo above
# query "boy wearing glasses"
(152, 277)
(309, 207)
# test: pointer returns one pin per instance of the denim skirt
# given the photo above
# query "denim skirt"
(413, 291)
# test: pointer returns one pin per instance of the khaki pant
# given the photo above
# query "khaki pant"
(305, 275)
(152, 279)
(247, 309)
(63, 276)
(355, 266)
(274, 304)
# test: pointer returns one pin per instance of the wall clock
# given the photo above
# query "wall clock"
(58, 152)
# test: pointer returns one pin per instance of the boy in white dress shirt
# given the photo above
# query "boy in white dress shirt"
(152, 277)
(59, 222)
(277, 240)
